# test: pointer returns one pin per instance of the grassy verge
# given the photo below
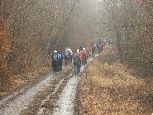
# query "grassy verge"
(109, 87)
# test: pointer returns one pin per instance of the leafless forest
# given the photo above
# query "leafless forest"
(30, 30)
(130, 22)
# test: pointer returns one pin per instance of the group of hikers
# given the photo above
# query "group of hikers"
(76, 57)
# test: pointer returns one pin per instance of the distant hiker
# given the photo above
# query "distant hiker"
(99, 40)
(76, 63)
(94, 48)
(80, 55)
(84, 57)
(81, 47)
(89, 52)
(104, 42)
(100, 47)
(68, 55)
(60, 60)
(55, 61)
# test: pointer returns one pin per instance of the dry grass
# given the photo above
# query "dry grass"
(19, 81)
(110, 88)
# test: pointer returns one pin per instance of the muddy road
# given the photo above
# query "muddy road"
(15, 103)
(53, 95)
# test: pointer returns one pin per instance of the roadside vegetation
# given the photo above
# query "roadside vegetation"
(109, 87)
(31, 30)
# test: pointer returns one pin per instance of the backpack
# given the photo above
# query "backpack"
(100, 46)
(55, 57)
(69, 53)
(93, 48)
(59, 56)
(84, 54)
(77, 60)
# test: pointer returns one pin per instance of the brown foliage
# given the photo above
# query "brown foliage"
(5, 45)
(110, 88)
(130, 23)
(29, 32)
(32, 29)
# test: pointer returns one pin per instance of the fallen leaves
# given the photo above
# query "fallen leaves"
(108, 87)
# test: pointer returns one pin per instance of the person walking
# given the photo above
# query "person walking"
(55, 61)
(60, 60)
(84, 57)
(76, 63)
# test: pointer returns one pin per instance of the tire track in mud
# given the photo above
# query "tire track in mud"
(48, 106)
(65, 105)
(46, 97)
(44, 101)
(60, 96)
(20, 100)
(42, 108)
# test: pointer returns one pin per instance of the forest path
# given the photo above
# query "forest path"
(64, 87)
(62, 102)
(65, 105)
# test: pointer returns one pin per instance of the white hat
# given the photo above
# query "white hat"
(77, 50)
(55, 51)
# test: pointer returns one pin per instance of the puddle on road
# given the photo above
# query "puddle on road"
(65, 104)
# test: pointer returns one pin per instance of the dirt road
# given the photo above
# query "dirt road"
(57, 94)
(17, 103)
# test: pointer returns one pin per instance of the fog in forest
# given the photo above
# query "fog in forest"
(31, 30)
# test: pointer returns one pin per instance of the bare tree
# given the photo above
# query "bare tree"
(130, 21)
